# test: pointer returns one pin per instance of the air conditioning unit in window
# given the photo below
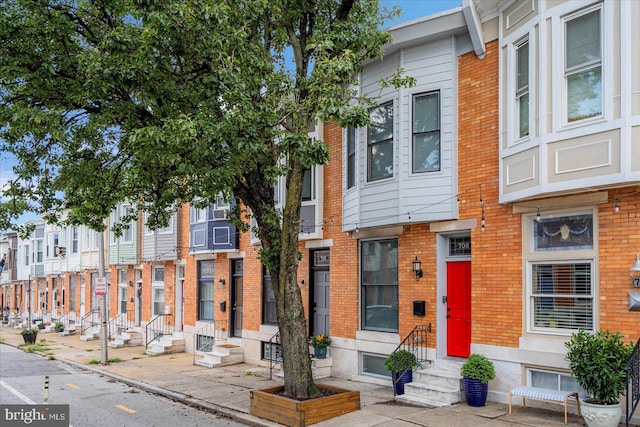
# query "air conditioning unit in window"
(220, 213)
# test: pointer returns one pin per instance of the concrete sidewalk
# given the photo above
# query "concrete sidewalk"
(225, 390)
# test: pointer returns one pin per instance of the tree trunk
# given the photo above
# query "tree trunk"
(298, 378)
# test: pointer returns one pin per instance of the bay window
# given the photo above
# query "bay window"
(583, 65)
(426, 132)
(380, 142)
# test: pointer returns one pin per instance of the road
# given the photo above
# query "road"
(94, 400)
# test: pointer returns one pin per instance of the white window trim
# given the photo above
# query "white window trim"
(514, 130)
(125, 211)
(113, 240)
(606, 62)
(530, 257)
(394, 143)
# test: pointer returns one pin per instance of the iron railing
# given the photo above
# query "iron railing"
(633, 382)
(416, 343)
(275, 353)
(68, 319)
(158, 327)
(205, 337)
(122, 322)
(89, 320)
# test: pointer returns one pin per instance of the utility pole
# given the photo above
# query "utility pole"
(104, 357)
(29, 301)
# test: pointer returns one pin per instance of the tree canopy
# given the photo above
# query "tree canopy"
(162, 103)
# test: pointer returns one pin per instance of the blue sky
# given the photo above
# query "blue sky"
(411, 9)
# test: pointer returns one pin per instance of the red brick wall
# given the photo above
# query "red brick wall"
(496, 276)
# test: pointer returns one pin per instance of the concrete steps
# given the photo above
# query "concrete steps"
(437, 386)
(126, 339)
(91, 334)
(167, 344)
(221, 355)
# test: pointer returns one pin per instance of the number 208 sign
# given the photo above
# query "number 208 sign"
(100, 285)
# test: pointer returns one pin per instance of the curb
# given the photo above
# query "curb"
(178, 397)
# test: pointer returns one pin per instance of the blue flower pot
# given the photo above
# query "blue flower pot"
(400, 379)
(475, 392)
(320, 353)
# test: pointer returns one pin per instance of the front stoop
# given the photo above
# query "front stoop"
(435, 387)
(127, 339)
(167, 344)
(221, 355)
(91, 334)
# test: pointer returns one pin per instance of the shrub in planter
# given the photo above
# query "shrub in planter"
(401, 364)
(58, 326)
(29, 335)
(598, 361)
(476, 373)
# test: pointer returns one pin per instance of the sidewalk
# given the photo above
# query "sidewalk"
(225, 390)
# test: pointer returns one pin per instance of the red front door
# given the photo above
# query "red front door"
(459, 308)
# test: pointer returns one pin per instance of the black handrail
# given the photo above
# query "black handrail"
(90, 319)
(633, 382)
(416, 343)
(275, 349)
(158, 327)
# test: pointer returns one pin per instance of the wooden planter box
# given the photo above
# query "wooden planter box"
(299, 413)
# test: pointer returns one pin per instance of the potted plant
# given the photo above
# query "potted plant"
(597, 361)
(320, 343)
(29, 335)
(401, 364)
(58, 327)
(476, 373)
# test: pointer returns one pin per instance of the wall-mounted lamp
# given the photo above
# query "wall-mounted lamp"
(634, 272)
(221, 282)
(130, 284)
(416, 267)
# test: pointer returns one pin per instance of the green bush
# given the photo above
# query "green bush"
(598, 361)
(401, 360)
(479, 368)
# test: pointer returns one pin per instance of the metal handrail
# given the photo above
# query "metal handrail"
(120, 323)
(205, 337)
(275, 348)
(92, 318)
(158, 327)
(632, 369)
(416, 343)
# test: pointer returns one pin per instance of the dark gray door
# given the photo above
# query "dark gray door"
(237, 306)
(321, 302)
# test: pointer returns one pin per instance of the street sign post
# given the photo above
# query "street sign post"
(100, 286)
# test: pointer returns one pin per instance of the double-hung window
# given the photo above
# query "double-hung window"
(380, 142)
(426, 132)
(122, 291)
(157, 293)
(379, 275)
(205, 290)
(583, 65)
(351, 157)
(522, 88)
(127, 232)
(561, 273)
(74, 240)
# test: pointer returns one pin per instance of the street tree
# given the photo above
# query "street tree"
(163, 103)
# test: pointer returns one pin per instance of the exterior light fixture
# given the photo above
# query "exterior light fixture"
(634, 272)
(221, 282)
(416, 267)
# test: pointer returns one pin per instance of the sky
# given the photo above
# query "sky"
(411, 9)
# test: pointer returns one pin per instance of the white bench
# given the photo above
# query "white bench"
(545, 394)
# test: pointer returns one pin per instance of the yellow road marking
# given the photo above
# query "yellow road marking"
(73, 386)
(125, 409)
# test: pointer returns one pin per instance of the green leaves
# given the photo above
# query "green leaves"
(598, 363)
